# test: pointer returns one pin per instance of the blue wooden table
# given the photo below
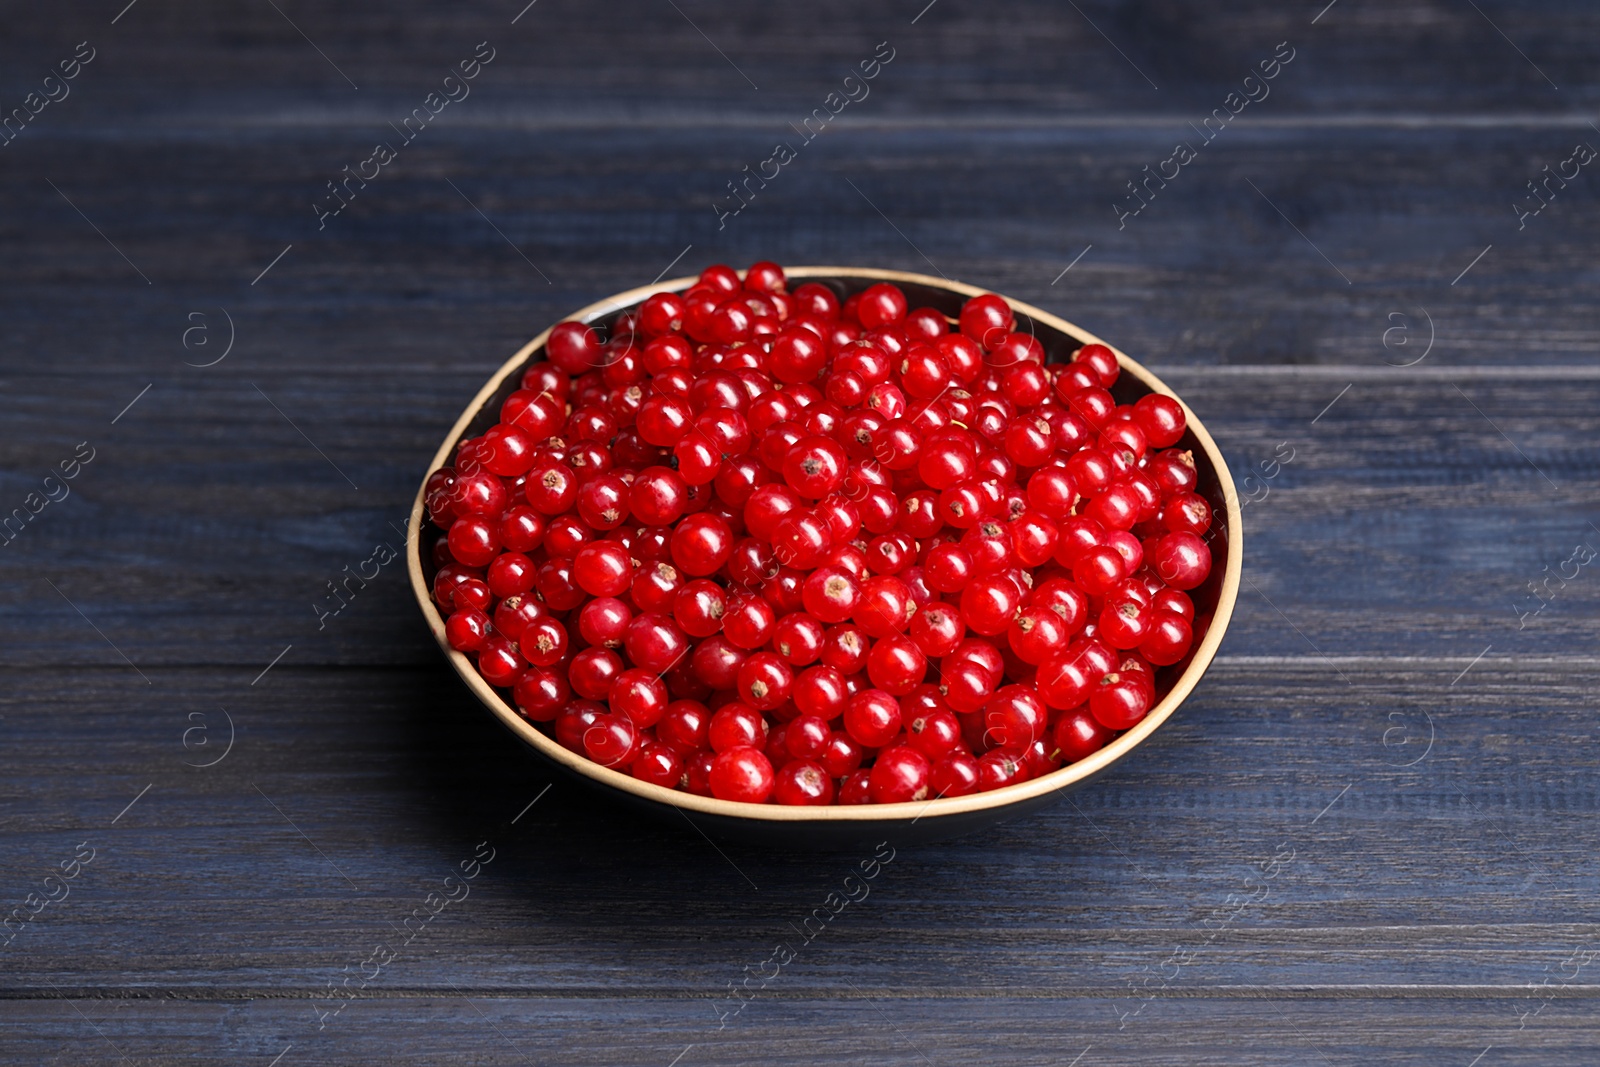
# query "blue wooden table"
(1358, 238)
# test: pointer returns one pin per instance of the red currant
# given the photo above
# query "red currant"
(872, 718)
(900, 774)
(765, 512)
(742, 774)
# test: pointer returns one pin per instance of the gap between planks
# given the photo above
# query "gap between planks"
(512, 118)
(1329, 371)
(1223, 661)
(1336, 371)
(1298, 991)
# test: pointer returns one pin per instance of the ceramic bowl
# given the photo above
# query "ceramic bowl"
(851, 826)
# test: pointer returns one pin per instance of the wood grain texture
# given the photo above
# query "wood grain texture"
(1400, 499)
(207, 895)
(1208, 273)
(388, 774)
(474, 1029)
(1368, 837)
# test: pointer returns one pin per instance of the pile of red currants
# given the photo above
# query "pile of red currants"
(767, 546)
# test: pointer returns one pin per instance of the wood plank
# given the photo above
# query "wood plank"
(1030, 58)
(412, 277)
(207, 527)
(349, 794)
(840, 1028)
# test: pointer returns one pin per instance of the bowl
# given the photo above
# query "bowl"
(856, 826)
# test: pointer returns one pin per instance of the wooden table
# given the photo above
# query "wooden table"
(1368, 837)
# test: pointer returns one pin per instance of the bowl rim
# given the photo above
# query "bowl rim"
(1059, 780)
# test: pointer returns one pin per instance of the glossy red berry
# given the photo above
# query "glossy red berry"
(467, 630)
(659, 764)
(1124, 623)
(573, 347)
(802, 539)
(611, 740)
(765, 681)
(506, 450)
(640, 695)
(954, 775)
(872, 718)
(856, 788)
(655, 642)
(948, 568)
(1161, 418)
(1182, 560)
(510, 574)
(896, 664)
(937, 630)
(515, 614)
(821, 691)
(543, 642)
(698, 607)
(592, 671)
(988, 604)
(1037, 632)
(499, 662)
(551, 488)
(999, 768)
(803, 782)
(1118, 701)
(934, 733)
(986, 319)
(899, 775)
(1168, 639)
(540, 694)
(685, 725)
(831, 594)
(1186, 513)
(885, 607)
(701, 543)
(1078, 734)
(474, 540)
(1065, 680)
(748, 622)
(736, 725)
(797, 355)
(658, 497)
(1098, 570)
(602, 568)
(604, 620)
(798, 638)
(881, 305)
(1014, 717)
(742, 774)
(815, 466)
